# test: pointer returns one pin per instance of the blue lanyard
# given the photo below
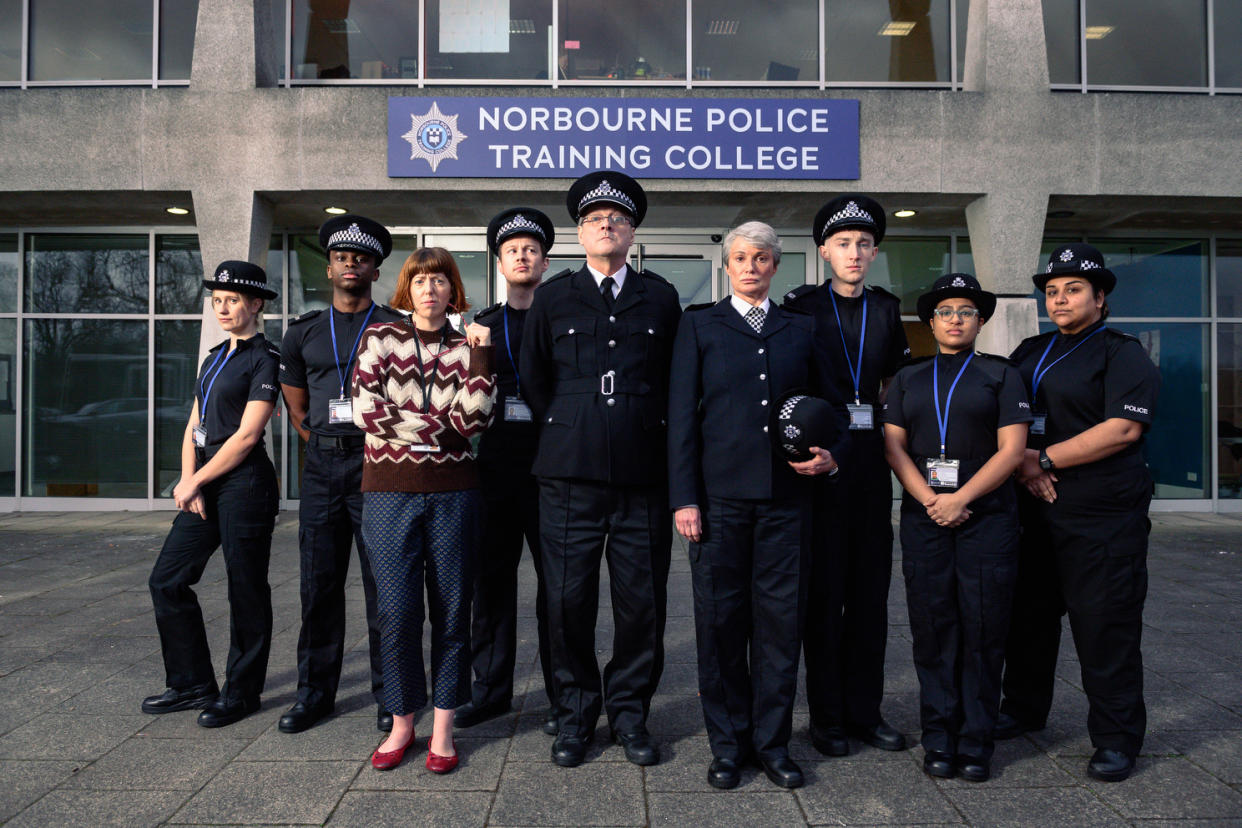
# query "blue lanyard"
(1039, 375)
(207, 393)
(343, 375)
(509, 348)
(855, 374)
(943, 422)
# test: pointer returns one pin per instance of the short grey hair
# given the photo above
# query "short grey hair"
(757, 234)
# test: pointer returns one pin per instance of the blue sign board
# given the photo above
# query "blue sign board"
(645, 137)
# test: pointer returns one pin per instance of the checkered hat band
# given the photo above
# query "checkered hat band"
(851, 212)
(520, 224)
(1083, 264)
(243, 282)
(607, 192)
(789, 405)
(352, 238)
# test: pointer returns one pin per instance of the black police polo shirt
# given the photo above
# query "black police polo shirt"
(1107, 375)
(989, 396)
(308, 361)
(229, 381)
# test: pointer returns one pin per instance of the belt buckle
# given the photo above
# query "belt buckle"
(608, 383)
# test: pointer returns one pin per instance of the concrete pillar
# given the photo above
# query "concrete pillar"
(1005, 47)
(1006, 229)
(233, 46)
(232, 224)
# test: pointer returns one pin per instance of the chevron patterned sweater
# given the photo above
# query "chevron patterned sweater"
(388, 407)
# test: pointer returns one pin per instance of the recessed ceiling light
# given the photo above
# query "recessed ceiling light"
(722, 27)
(177, 211)
(907, 213)
(335, 211)
(1098, 32)
(897, 28)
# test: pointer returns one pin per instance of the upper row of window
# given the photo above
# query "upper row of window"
(1091, 43)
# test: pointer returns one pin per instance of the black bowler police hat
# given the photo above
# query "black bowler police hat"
(1077, 259)
(520, 221)
(799, 421)
(242, 277)
(607, 186)
(356, 233)
(953, 286)
(849, 212)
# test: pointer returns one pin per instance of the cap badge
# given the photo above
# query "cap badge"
(792, 432)
(223, 277)
(606, 192)
(1066, 255)
(958, 281)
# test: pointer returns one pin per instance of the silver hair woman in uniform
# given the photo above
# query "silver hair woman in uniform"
(228, 498)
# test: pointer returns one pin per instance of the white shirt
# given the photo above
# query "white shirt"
(618, 277)
(743, 307)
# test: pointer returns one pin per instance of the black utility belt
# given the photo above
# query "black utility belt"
(605, 385)
(342, 441)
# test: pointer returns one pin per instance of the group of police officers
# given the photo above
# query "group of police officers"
(618, 418)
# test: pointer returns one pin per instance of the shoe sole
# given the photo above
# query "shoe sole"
(975, 777)
(784, 783)
(302, 728)
(1110, 776)
(567, 762)
(830, 751)
(193, 704)
(723, 785)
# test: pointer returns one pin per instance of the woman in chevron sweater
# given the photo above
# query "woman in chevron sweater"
(421, 390)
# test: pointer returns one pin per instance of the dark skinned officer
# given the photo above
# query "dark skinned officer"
(1084, 514)
(745, 511)
(520, 239)
(852, 549)
(317, 359)
(955, 428)
(594, 365)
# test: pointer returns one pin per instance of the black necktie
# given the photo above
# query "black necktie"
(605, 290)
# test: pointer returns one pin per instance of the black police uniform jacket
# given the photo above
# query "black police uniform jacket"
(507, 447)
(725, 380)
(598, 380)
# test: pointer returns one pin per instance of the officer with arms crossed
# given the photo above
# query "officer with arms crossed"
(595, 370)
(852, 549)
(745, 510)
(317, 358)
(520, 238)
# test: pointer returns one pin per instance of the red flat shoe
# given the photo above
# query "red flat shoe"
(387, 761)
(441, 764)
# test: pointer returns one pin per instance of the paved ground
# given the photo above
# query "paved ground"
(78, 651)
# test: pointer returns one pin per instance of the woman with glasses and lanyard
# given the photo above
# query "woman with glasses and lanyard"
(420, 392)
(1084, 523)
(228, 498)
(955, 427)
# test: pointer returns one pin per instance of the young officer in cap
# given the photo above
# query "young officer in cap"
(745, 510)
(955, 429)
(852, 557)
(228, 498)
(1084, 523)
(317, 359)
(520, 238)
(595, 371)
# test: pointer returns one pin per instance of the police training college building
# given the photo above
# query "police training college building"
(991, 132)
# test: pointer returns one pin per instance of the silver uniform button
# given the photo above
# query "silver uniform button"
(760, 350)
(765, 402)
(651, 331)
(612, 343)
(765, 429)
(612, 319)
(612, 401)
(763, 376)
(571, 330)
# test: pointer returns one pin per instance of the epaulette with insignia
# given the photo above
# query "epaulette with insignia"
(656, 276)
(306, 317)
(699, 306)
(996, 358)
(486, 312)
(566, 272)
(797, 293)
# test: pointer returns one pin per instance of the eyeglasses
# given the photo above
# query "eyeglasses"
(960, 313)
(615, 220)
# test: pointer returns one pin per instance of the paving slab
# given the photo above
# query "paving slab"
(27, 782)
(984, 806)
(271, 792)
(125, 809)
(595, 793)
(428, 809)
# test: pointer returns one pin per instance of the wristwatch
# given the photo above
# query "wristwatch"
(1045, 462)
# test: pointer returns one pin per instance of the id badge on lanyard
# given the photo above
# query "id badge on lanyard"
(341, 410)
(517, 411)
(1040, 424)
(200, 436)
(942, 474)
(862, 416)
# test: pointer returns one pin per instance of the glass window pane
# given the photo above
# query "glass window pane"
(498, 39)
(308, 273)
(177, 23)
(642, 40)
(1227, 22)
(963, 16)
(790, 274)
(1061, 22)
(178, 275)
(691, 277)
(8, 409)
(734, 41)
(85, 408)
(8, 273)
(276, 45)
(72, 41)
(473, 267)
(1146, 44)
(1229, 277)
(1229, 409)
(358, 39)
(897, 41)
(86, 273)
(11, 41)
(176, 366)
(1157, 278)
(907, 267)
